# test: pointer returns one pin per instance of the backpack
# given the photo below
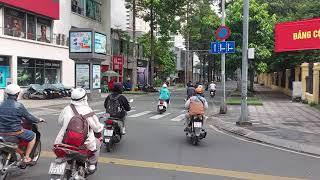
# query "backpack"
(78, 128)
(196, 107)
(114, 107)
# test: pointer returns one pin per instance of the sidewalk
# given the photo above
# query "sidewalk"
(279, 121)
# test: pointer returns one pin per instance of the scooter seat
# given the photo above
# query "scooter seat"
(9, 141)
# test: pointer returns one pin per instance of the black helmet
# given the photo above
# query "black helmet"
(117, 88)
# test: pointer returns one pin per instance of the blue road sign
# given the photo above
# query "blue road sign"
(226, 47)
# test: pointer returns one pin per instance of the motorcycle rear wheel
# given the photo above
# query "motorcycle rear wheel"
(25, 96)
(195, 140)
(4, 176)
(109, 147)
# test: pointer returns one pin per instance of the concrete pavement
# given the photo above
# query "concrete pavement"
(279, 121)
(155, 147)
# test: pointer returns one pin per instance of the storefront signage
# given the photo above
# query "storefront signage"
(82, 76)
(117, 62)
(100, 42)
(4, 74)
(80, 42)
(299, 35)
(48, 8)
(96, 76)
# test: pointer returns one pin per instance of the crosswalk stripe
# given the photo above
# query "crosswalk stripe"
(132, 111)
(159, 116)
(140, 114)
(179, 118)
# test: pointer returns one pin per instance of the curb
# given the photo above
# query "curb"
(287, 144)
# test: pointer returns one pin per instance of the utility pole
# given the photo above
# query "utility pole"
(223, 106)
(187, 51)
(134, 66)
(151, 42)
(244, 106)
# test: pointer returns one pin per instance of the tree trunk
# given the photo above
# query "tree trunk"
(134, 66)
(152, 44)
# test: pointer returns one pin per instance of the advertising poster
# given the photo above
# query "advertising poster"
(14, 23)
(96, 75)
(43, 30)
(83, 76)
(80, 42)
(4, 74)
(100, 42)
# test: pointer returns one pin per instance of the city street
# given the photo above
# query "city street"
(156, 147)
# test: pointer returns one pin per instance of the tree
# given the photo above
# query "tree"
(260, 34)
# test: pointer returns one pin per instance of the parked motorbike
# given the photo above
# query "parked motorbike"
(162, 106)
(64, 91)
(212, 93)
(12, 152)
(195, 130)
(35, 91)
(71, 163)
(52, 91)
(148, 88)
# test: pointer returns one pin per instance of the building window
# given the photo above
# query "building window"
(14, 23)
(38, 71)
(77, 6)
(31, 27)
(93, 10)
(43, 30)
(4, 71)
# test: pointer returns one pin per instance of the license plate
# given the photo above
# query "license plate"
(106, 140)
(160, 107)
(108, 132)
(197, 124)
(57, 168)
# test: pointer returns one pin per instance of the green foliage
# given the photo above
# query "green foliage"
(262, 67)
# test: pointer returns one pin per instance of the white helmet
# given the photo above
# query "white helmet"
(12, 89)
(78, 94)
(164, 85)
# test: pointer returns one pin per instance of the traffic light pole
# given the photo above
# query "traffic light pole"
(244, 120)
(223, 106)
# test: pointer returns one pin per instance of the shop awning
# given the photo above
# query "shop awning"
(110, 74)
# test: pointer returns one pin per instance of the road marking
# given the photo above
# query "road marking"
(140, 114)
(159, 116)
(262, 144)
(132, 111)
(179, 118)
(183, 168)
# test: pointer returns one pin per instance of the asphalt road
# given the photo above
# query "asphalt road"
(156, 148)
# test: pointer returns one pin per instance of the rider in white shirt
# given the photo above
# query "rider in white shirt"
(212, 86)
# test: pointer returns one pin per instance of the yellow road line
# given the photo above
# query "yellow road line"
(183, 168)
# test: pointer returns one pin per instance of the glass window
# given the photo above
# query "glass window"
(4, 71)
(31, 71)
(14, 23)
(31, 27)
(77, 6)
(44, 30)
(93, 10)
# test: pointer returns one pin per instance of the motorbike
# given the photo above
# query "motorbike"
(195, 130)
(212, 93)
(148, 88)
(12, 152)
(35, 91)
(112, 130)
(52, 91)
(71, 163)
(64, 91)
(162, 106)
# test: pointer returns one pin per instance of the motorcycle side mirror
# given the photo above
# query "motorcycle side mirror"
(131, 100)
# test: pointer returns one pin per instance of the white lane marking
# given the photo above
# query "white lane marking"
(179, 118)
(132, 111)
(159, 116)
(140, 114)
(100, 113)
(262, 144)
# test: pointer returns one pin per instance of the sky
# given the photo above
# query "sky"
(118, 14)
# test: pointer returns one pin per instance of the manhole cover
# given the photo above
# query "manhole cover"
(261, 128)
(292, 124)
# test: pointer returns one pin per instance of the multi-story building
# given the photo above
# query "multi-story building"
(34, 39)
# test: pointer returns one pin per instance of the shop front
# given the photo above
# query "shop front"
(4, 71)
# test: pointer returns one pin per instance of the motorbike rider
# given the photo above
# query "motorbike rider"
(190, 91)
(123, 103)
(196, 98)
(212, 86)
(80, 101)
(11, 114)
(165, 93)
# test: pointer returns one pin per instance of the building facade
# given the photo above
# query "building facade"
(34, 41)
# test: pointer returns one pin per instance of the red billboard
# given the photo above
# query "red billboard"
(48, 8)
(298, 35)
